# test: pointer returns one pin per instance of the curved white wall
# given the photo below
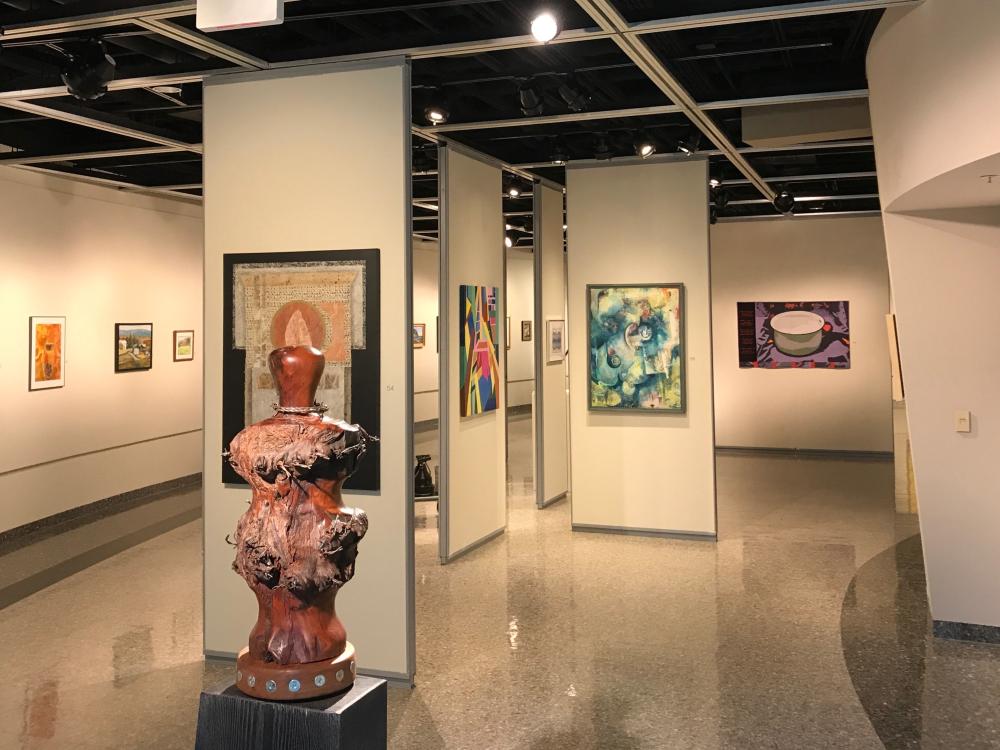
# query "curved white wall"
(933, 73)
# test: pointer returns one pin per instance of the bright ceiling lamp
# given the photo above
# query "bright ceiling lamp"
(714, 183)
(508, 242)
(545, 27)
(435, 114)
(644, 146)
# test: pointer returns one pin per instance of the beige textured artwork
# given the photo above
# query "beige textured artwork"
(298, 305)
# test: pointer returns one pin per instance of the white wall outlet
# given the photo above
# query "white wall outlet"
(963, 421)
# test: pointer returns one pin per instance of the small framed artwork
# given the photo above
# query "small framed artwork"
(525, 330)
(133, 347)
(183, 346)
(47, 345)
(555, 340)
(507, 333)
(419, 335)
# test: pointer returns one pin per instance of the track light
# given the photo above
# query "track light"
(559, 154)
(507, 241)
(602, 149)
(689, 146)
(571, 93)
(544, 27)
(644, 146)
(88, 71)
(784, 202)
(720, 196)
(713, 215)
(714, 183)
(531, 102)
(513, 191)
(435, 114)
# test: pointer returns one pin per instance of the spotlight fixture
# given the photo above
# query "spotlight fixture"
(435, 114)
(88, 71)
(720, 196)
(513, 191)
(559, 154)
(573, 95)
(602, 149)
(714, 183)
(689, 146)
(644, 146)
(713, 215)
(508, 227)
(785, 202)
(507, 241)
(544, 27)
(531, 102)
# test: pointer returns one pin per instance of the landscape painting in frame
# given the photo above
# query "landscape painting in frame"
(183, 346)
(419, 335)
(636, 347)
(47, 339)
(327, 299)
(804, 335)
(134, 347)
(479, 369)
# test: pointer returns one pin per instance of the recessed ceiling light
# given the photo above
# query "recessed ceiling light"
(545, 27)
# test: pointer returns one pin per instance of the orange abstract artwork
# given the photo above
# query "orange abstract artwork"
(47, 352)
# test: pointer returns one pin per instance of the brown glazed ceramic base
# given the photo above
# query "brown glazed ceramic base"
(294, 682)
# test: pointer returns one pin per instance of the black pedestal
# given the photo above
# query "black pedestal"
(355, 720)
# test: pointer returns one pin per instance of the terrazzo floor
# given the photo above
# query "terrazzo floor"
(804, 626)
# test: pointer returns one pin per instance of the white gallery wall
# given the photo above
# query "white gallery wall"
(551, 413)
(473, 487)
(520, 307)
(803, 259)
(277, 181)
(425, 310)
(642, 223)
(933, 72)
(96, 256)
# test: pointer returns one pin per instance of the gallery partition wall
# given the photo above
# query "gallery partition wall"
(295, 252)
(473, 487)
(551, 412)
(640, 321)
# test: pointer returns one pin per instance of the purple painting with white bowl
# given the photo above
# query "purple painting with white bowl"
(805, 335)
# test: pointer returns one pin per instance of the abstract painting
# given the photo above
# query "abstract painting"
(419, 335)
(133, 347)
(183, 346)
(636, 347)
(795, 335)
(47, 342)
(555, 340)
(525, 330)
(325, 299)
(479, 369)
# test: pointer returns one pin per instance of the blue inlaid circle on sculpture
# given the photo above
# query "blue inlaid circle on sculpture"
(294, 685)
(271, 686)
(319, 680)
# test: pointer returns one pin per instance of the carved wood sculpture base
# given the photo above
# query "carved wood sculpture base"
(294, 682)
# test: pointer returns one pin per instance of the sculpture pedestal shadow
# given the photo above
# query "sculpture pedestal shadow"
(353, 720)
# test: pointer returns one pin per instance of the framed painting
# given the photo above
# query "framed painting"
(555, 340)
(328, 299)
(183, 346)
(133, 347)
(479, 369)
(47, 347)
(794, 335)
(419, 335)
(525, 330)
(637, 352)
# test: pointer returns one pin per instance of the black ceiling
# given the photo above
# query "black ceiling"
(803, 55)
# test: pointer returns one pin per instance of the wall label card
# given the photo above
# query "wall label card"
(794, 335)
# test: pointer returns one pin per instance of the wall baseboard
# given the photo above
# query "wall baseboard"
(696, 536)
(19, 536)
(737, 450)
(963, 631)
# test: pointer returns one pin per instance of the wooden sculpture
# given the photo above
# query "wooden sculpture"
(296, 543)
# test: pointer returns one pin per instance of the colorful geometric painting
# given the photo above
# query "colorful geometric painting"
(637, 347)
(325, 299)
(797, 335)
(47, 350)
(479, 370)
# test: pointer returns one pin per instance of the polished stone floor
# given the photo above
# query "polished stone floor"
(804, 627)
